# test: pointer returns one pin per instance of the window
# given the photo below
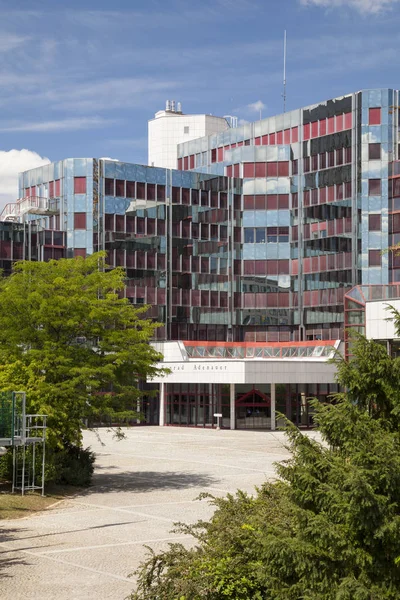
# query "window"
(314, 129)
(374, 187)
(79, 185)
(306, 164)
(79, 220)
(374, 116)
(58, 187)
(80, 252)
(120, 188)
(130, 189)
(283, 169)
(314, 162)
(141, 190)
(347, 155)
(374, 222)
(306, 131)
(374, 258)
(374, 151)
(186, 129)
(248, 170)
(260, 169)
(109, 187)
(248, 235)
(339, 156)
(286, 136)
(51, 189)
(322, 160)
(295, 167)
(348, 121)
(331, 159)
(260, 235)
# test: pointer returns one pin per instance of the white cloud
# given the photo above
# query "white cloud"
(13, 162)
(363, 6)
(257, 106)
(62, 125)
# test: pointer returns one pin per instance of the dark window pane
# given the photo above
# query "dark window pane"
(79, 220)
(141, 190)
(260, 235)
(374, 222)
(374, 151)
(374, 187)
(375, 258)
(120, 188)
(248, 235)
(109, 187)
(130, 189)
(160, 192)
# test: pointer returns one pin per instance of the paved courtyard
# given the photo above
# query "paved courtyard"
(86, 547)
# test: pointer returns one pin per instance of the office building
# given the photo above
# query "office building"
(249, 253)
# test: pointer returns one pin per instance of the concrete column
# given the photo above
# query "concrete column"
(162, 405)
(232, 406)
(273, 406)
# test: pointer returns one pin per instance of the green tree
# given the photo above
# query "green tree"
(70, 339)
(371, 378)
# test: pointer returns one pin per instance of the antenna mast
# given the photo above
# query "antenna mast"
(284, 72)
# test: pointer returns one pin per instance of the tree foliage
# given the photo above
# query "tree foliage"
(69, 338)
(329, 529)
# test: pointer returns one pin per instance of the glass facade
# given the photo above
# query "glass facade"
(256, 237)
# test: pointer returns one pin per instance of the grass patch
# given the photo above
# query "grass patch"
(15, 506)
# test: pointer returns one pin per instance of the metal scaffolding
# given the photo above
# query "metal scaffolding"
(26, 434)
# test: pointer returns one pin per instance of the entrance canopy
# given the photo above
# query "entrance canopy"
(248, 362)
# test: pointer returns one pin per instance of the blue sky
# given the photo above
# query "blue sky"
(82, 78)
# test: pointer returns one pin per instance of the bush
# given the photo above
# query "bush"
(72, 465)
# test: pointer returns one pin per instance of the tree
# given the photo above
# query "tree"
(69, 338)
(329, 529)
(371, 377)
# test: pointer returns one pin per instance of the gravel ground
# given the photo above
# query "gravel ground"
(86, 547)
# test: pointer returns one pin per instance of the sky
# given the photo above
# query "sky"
(81, 78)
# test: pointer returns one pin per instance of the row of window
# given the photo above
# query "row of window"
(262, 235)
(259, 169)
(133, 189)
(325, 160)
(287, 136)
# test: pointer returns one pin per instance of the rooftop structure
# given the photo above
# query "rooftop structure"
(171, 126)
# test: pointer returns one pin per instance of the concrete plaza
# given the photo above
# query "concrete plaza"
(86, 547)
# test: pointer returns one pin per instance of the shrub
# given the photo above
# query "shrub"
(72, 465)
